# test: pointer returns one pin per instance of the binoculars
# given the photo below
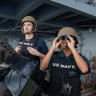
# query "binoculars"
(24, 51)
(64, 37)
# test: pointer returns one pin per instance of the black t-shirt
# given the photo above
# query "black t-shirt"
(63, 70)
(38, 44)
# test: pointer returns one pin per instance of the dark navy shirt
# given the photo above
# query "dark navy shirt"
(64, 67)
(40, 45)
(58, 61)
(36, 43)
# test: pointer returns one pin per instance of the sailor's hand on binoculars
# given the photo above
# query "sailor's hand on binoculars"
(71, 42)
(56, 43)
